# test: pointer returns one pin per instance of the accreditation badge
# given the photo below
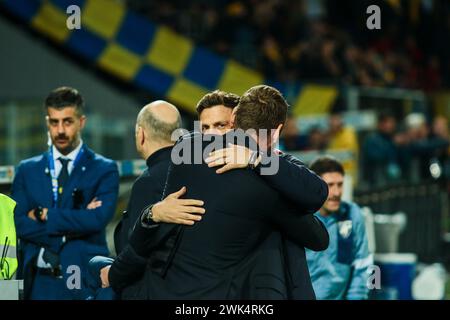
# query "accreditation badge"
(345, 228)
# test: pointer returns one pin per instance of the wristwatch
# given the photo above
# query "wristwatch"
(38, 213)
(147, 216)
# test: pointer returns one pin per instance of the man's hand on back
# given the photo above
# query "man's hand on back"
(179, 211)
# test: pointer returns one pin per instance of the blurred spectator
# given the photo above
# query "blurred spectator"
(291, 139)
(340, 136)
(440, 131)
(380, 152)
(317, 140)
(416, 124)
(440, 127)
(343, 138)
(432, 76)
(341, 271)
(427, 149)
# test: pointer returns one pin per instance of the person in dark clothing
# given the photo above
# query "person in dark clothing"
(381, 155)
(425, 148)
(276, 255)
(440, 130)
(155, 124)
(291, 139)
(152, 181)
(221, 247)
(154, 127)
(65, 198)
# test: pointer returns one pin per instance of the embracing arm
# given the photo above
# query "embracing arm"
(126, 268)
(311, 233)
(166, 215)
(306, 231)
(285, 173)
(298, 184)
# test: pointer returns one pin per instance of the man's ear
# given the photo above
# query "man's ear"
(47, 121)
(141, 136)
(276, 134)
(233, 117)
(82, 121)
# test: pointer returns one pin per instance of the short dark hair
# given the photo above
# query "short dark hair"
(63, 97)
(326, 164)
(261, 107)
(217, 98)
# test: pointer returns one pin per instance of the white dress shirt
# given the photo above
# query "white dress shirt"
(71, 156)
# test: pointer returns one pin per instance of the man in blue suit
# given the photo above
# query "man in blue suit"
(65, 198)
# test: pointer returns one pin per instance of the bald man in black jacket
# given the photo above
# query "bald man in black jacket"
(214, 259)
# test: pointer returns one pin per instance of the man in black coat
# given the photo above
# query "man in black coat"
(276, 255)
(155, 125)
(214, 258)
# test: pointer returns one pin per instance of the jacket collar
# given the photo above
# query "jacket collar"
(160, 155)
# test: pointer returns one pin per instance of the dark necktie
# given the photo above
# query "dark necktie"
(63, 177)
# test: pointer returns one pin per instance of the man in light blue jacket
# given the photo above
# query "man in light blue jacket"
(340, 272)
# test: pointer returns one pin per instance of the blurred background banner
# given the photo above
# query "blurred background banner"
(130, 47)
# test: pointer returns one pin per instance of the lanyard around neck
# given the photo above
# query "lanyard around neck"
(51, 164)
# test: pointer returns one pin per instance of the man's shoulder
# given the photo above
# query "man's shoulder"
(289, 157)
(148, 179)
(32, 162)
(353, 210)
(100, 159)
(193, 147)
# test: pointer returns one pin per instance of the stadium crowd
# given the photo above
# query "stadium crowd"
(414, 147)
(326, 40)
